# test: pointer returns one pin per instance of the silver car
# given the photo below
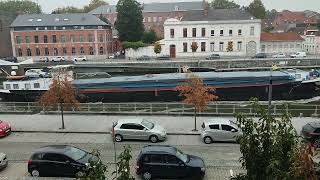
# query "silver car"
(138, 129)
(219, 130)
(3, 161)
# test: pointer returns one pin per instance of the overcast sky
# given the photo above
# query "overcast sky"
(49, 5)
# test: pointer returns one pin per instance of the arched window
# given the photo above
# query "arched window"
(29, 52)
(101, 50)
(37, 52)
(81, 51)
(19, 52)
(91, 52)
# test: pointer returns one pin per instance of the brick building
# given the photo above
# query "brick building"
(68, 35)
(154, 14)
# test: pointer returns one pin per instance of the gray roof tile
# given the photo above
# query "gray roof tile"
(80, 19)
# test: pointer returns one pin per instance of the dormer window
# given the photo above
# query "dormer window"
(176, 8)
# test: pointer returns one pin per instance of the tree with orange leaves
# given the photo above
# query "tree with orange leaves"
(61, 93)
(196, 93)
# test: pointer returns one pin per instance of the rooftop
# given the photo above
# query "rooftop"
(218, 15)
(80, 19)
(154, 7)
(159, 148)
(283, 36)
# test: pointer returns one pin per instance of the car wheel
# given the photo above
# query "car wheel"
(118, 138)
(35, 173)
(146, 176)
(207, 140)
(153, 138)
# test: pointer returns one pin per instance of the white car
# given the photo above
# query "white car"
(3, 161)
(298, 55)
(80, 58)
(111, 56)
(280, 55)
(58, 59)
(36, 73)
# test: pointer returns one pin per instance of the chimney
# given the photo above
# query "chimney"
(205, 6)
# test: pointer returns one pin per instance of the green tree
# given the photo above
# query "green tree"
(149, 37)
(157, 48)
(124, 164)
(257, 9)
(133, 45)
(223, 4)
(67, 9)
(266, 144)
(95, 170)
(129, 20)
(93, 5)
(20, 7)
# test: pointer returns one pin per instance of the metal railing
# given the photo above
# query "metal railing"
(161, 108)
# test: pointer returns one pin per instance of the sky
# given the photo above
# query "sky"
(298, 5)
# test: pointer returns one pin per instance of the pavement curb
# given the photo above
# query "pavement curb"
(90, 132)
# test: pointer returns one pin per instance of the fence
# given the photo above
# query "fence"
(162, 108)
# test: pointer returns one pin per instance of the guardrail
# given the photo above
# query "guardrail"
(227, 109)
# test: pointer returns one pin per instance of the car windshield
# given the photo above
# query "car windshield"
(147, 124)
(75, 153)
(182, 156)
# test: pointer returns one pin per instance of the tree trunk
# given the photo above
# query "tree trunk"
(62, 119)
(195, 119)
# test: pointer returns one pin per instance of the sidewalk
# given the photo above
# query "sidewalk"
(175, 125)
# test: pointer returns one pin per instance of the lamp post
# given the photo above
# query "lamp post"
(270, 92)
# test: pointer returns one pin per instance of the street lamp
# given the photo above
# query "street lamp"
(274, 67)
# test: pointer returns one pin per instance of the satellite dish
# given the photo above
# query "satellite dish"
(13, 73)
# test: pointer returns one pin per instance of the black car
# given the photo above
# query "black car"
(59, 161)
(311, 133)
(168, 162)
(213, 56)
(144, 58)
(164, 57)
(260, 55)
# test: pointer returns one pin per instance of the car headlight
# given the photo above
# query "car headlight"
(203, 169)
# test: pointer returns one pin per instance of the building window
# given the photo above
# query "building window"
(63, 38)
(263, 48)
(36, 39)
(160, 18)
(239, 45)
(144, 20)
(212, 46)
(185, 47)
(46, 51)
(64, 51)
(72, 38)
(221, 44)
(239, 32)
(221, 32)
(36, 85)
(18, 39)
(100, 38)
(230, 32)
(29, 52)
(8, 86)
(90, 38)
(15, 86)
(54, 39)
(81, 50)
(149, 19)
(73, 51)
(27, 39)
(172, 33)
(101, 51)
(203, 32)
(81, 38)
(212, 32)
(185, 32)
(203, 46)
(27, 86)
(154, 19)
(45, 39)
(55, 52)
(194, 32)
(19, 52)
(251, 30)
(91, 51)
(38, 52)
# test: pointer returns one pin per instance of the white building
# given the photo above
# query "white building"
(281, 42)
(213, 30)
(311, 44)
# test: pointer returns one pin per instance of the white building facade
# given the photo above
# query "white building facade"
(224, 32)
(311, 44)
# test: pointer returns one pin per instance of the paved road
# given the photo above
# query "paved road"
(219, 157)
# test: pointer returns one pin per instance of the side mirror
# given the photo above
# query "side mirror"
(145, 129)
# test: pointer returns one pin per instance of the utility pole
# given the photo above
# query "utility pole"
(270, 92)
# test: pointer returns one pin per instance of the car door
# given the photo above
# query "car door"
(127, 131)
(175, 167)
(49, 166)
(229, 133)
(141, 132)
(214, 132)
(156, 165)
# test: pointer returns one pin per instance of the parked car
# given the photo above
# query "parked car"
(5, 128)
(10, 59)
(138, 129)
(112, 56)
(279, 55)
(298, 55)
(3, 161)
(80, 58)
(163, 57)
(36, 73)
(219, 130)
(168, 162)
(59, 161)
(311, 133)
(58, 59)
(43, 59)
(144, 58)
(213, 56)
(260, 55)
